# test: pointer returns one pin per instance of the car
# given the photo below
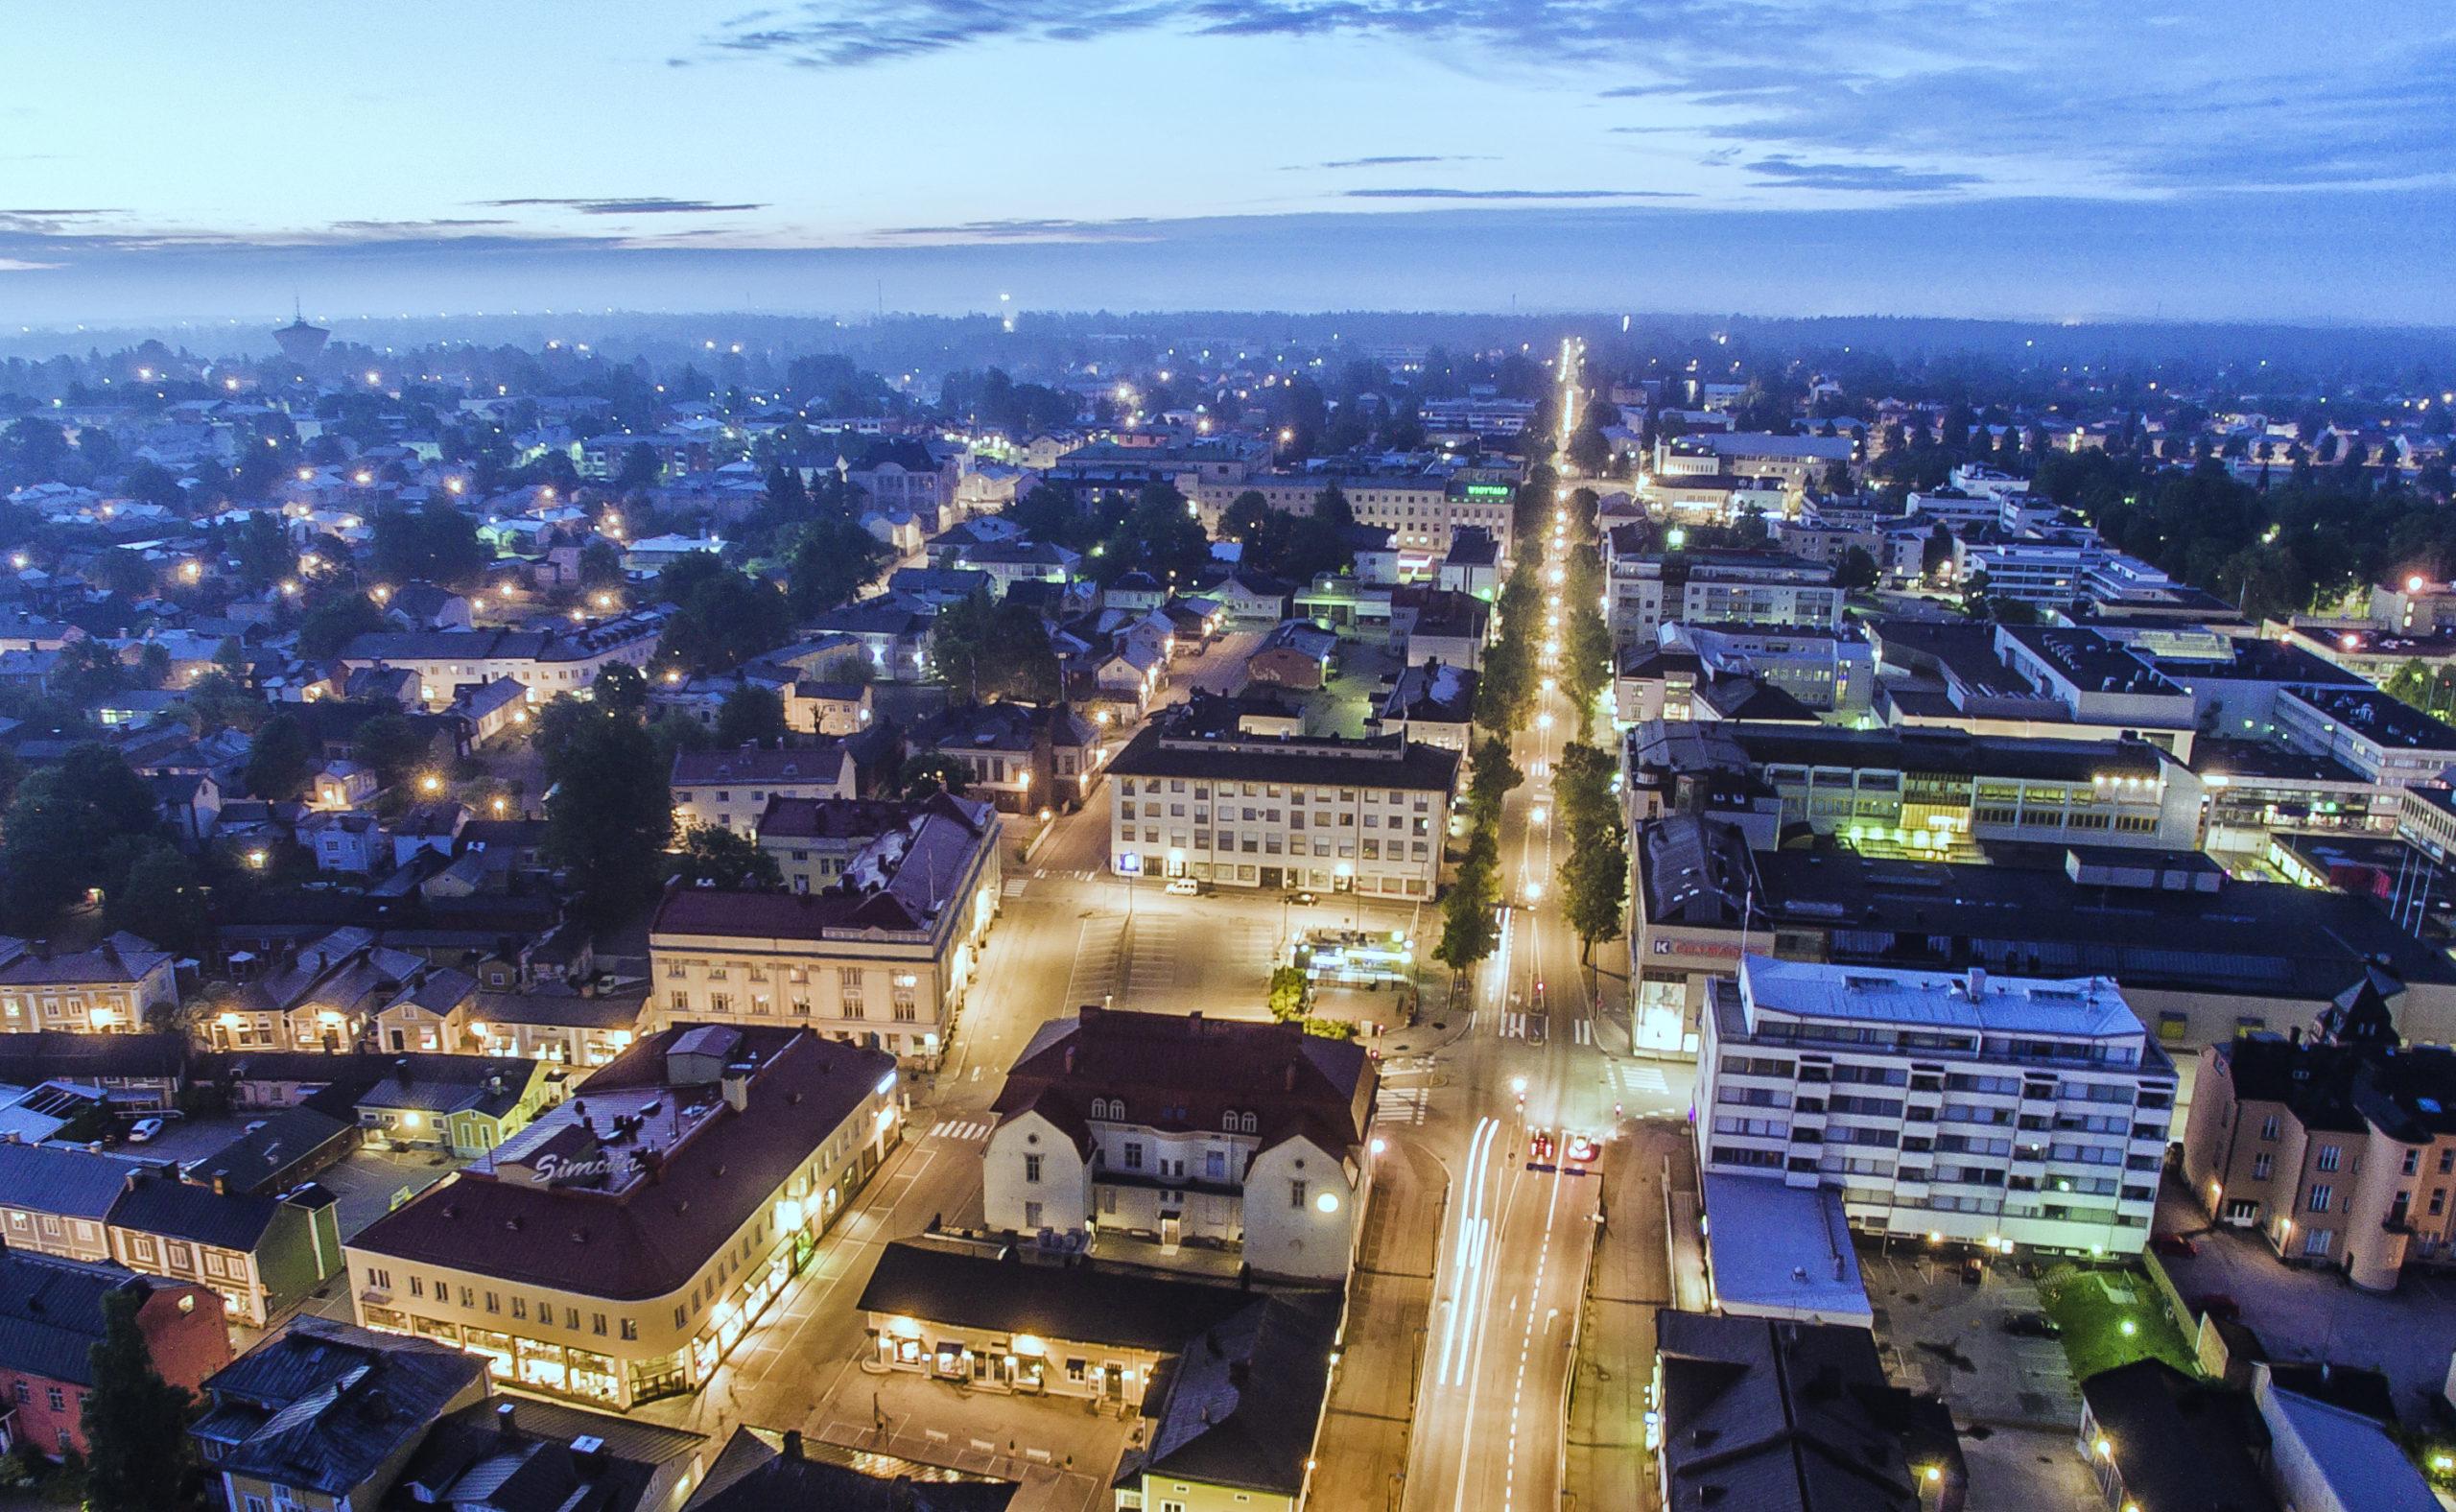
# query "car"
(2174, 1244)
(1302, 898)
(1583, 1150)
(1182, 887)
(2033, 1325)
(1539, 1150)
(2217, 1305)
(143, 1130)
(1973, 1270)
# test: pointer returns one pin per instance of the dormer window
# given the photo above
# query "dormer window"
(1231, 1121)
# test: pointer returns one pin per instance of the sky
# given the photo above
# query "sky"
(2196, 160)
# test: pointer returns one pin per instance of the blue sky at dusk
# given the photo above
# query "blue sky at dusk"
(2197, 159)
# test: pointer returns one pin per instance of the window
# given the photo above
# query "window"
(58, 1403)
(1031, 1214)
(2268, 1126)
(2412, 1162)
(1296, 1194)
(1134, 1155)
(631, 1328)
(2262, 1166)
(2318, 1240)
(2331, 1156)
(2320, 1196)
(1031, 1168)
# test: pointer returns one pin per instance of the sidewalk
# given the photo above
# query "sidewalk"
(1365, 1433)
(1606, 1464)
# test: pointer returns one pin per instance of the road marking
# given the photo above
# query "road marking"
(1015, 887)
(1513, 1025)
(1644, 1079)
(1583, 1031)
(1471, 1227)
(961, 1130)
(1404, 1104)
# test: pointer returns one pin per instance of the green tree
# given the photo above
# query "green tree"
(64, 830)
(928, 773)
(135, 1423)
(434, 543)
(335, 622)
(601, 565)
(722, 617)
(162, 899)
(1490, 780)
(281, 760)
(391, 746)
(751, 716)
(609, 814)
(832, 560)
(712, 856)
(1857, 570)
(621, 688)
(639, 469)
(89, 669)
(1937, 550)
(1291, 993)
(1470, 930)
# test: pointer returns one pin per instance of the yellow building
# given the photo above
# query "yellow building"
(619, 1248)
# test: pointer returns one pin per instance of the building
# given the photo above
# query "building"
(762, 1471)
(546, 663)
(1424, 511)
(1775, 1416)
(2392, 743)
(622, 1246)
(2329, 1458)
(1800, 462)
(1645, 588)
(2156, 1437)
(1018, 756)
(882, 955)
(730, 789)
(327, 996)
(2027, 679)
(1183, 1130)
(1989, 1110)
(51, 1317)
(464, 1105)
(2339, 1150)
(112, 986)
(1366, 816)
(559, 1024)
(322, 1417)
(1829, 669)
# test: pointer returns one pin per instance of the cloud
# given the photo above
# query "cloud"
(1391, 160)
(41, 223)
(1033, 229)
(1512, 194)
(644, 205)
(19, 265)
(389, 229)
(1860, 177)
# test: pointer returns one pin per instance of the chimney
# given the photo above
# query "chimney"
(401, 1069)
(504, 1423)
(1977, 983)
(735, 1085)
(792, 1447)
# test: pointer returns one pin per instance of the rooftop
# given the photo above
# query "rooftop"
(2091, 1007)
(2372, 713)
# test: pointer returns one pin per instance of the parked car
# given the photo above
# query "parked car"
(2033, 1325)
(1301, 897)
(2174, 1244)
(1182, 887)
(2217, 1305)
(143, 1130)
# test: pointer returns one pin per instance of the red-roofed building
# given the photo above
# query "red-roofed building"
(1186, 1130)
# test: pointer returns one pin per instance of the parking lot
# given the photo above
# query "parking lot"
(1945, 1336)
(369, 1182)
(2306, 1314)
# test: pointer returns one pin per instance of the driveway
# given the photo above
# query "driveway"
(2303, 1314)
(1949, 1338)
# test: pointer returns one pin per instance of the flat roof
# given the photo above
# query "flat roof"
(1942, 751)
(2215, 756)
(2090, 1007)
(1779, 1250)
(2367, 712)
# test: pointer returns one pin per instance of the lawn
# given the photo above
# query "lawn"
(2092, 1307)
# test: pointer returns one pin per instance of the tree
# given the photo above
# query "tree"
(1291, 993)
(89, 669)
(1937, 550)
(335, 622)
(438, 544)
(281, 760)
(750, 715)
(928, 773)
(1470, 931)
(831, 561)
(619, 688)
(601, 565)
(712, 856)
(639, 469)
(1491, 779)
(1858, 569)
(162, 899)
(609, 814)
(722, 617)
(995, 653)
(1594, 877)
(64, 832)
(391, 746)
(135, 1423)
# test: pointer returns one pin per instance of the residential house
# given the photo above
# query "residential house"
(560, 1023)
(1018, 756)
(431, 1014)
(51, 1319)
(730, 789)
(114, 986)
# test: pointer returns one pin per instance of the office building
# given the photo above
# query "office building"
(2003, 1112)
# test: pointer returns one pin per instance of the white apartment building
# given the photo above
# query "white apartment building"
(1645, 589)
(1347, 815)
(2393, 743)
(1186, 1131)
(545, 662)
(1422, 511)
(1995, 1111)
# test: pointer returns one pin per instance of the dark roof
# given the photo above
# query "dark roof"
(1078, 1303)
(49, 1053)
(1164, 750)
(650, 1237)
(2180, 1445)
(1954, 752)
(503, 1456)
(1769, 1415)
(43, 1179)
(274, 1147)
(325, 1405)
(1240, 1406)
(2408, 1093)
(760, 1471)
(618, 1007)
(823, 763)
(50, 1313)
(163, 1204)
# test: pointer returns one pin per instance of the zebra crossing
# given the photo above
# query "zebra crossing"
(1063, 874)
(1582, 1030)
(967, 1131)
(1015, 887)
(1404, 1104)
(1640, 1078)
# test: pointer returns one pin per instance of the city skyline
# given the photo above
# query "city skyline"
(1942, 157)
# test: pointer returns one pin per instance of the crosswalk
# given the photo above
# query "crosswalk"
(967, 1131)
(1015, 887)
(1641, 1078)
(1582, 1030)
(1402, 1104)
(1063, 874)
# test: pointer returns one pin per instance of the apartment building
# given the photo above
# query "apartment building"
(1645, 588)
(730, 789)
(1422, 511)
(1831, 670)
(2005, 1112)
(882, 956)
(622, 1246)
(2339, 1150)
(107, 988)
(559, 1024)
(547, 663)
(1249, 1139)
(1800, 462)
(1205, 800)
(2392, 743)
